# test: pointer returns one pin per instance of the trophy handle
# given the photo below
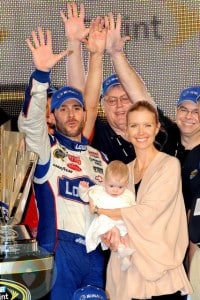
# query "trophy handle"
(16, 213)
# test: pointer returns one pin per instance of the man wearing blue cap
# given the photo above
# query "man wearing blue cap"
(118, 95)
(189, 139)
(110, 133)
(64, 160)
(188, 152)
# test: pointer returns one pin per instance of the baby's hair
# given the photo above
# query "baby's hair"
(118, 170)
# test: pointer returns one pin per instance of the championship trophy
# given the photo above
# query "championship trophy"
(25, 269)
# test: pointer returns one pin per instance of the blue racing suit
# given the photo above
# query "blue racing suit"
(63, 217)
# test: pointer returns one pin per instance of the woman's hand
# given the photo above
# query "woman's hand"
(125, 240)
(111, 238)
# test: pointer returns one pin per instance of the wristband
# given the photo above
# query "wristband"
(96, 210)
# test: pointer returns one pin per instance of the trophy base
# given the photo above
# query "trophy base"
(16, 240)
(26, 270)
(30, 277)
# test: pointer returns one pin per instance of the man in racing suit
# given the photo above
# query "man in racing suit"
(65, 159)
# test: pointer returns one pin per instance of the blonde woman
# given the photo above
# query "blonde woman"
(157, 224)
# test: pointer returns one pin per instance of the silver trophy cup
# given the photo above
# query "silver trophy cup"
(17, 167)
(25, 268)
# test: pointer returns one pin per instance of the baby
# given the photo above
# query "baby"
(112, 194)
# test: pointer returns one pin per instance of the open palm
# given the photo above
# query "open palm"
(41, 48)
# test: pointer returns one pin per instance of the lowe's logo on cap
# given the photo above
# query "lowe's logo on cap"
(64, 94)
(110, 81)
(191, 93)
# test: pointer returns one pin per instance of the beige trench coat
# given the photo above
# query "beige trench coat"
(157, 228)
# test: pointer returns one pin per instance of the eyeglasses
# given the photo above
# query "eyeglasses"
(112, 101)
(184, 111)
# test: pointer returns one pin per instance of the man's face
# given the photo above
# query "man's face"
(115, 104)
(187, 118)
(70, 119)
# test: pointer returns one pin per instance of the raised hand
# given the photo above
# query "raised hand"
(74, 24)
(114, 41)
(43, 57)
(96, 41)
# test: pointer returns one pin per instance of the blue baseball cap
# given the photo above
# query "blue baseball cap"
(110, 81)
(191, 93)
(89, 292)
(65, 93)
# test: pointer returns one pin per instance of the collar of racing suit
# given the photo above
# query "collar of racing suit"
(70, 144)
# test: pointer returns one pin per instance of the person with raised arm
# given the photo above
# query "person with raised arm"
(65, 158)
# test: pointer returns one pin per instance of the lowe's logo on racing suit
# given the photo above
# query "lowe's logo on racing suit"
(68, 188)
(80, 147)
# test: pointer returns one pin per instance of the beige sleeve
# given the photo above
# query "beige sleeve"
(157, 225)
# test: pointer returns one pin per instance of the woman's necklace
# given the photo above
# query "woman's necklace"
(138, 173)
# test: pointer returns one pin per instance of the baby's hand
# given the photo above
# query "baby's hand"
(84, 184)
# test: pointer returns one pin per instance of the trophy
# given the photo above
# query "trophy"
(25, 268)
(17, 168)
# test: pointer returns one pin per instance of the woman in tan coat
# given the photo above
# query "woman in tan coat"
(157, 224)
